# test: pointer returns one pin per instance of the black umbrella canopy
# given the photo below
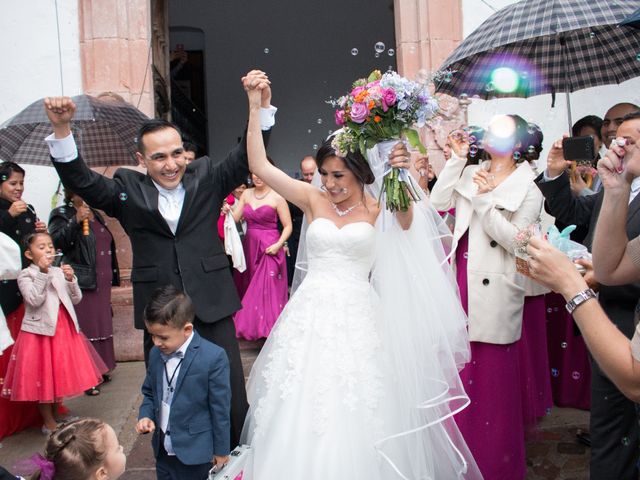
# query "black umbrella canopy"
(545, 46)
(105, 131)
(632, 20)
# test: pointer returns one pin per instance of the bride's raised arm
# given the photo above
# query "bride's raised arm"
(297, 192)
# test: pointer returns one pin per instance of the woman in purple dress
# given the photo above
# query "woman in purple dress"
(493, 201)
(266, 293)
(87, 244)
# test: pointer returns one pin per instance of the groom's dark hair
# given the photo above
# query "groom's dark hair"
(354, 162)
(150, 126)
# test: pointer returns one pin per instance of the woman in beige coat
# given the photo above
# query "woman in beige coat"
(493, 202)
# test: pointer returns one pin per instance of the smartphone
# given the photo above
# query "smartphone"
(579, 148)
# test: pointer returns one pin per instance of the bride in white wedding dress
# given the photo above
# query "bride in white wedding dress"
(359, 377)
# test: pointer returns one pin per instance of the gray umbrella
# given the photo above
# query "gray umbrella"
(105, 131)
(545, 46)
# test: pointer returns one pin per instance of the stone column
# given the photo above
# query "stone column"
(115, 50)
(427, 31)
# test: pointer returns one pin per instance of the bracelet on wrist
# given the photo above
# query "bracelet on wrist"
(580, 298)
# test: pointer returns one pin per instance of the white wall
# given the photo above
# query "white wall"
(553, 121)
(31, 70)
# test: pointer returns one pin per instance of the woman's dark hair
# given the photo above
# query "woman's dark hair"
(354, 161)
(592, 121)
(29, 238)
(523, 137)
(476, 149)
(532, 147)
(76, 449)
(7, 168)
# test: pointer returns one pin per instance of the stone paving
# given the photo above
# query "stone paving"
(552, 451)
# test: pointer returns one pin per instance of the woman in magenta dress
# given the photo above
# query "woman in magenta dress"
(493, 201)
(266, 293)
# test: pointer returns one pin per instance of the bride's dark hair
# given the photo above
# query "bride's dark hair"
(354, 162)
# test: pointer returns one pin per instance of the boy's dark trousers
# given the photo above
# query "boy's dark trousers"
(168, 467)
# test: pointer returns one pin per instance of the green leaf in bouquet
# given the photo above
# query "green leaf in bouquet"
(414, 139)
(361, 82)
(373, 76)
(363, 146)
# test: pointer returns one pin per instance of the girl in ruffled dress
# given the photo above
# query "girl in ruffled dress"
(51, 359)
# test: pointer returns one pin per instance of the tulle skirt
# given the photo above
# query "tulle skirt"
(15, 416)
(47, 369)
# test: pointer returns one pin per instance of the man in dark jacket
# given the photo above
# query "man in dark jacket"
(167, 215)
(613, 425)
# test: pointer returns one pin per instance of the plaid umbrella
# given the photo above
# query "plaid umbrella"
(545, 46)
(104, 129)
(633, 20)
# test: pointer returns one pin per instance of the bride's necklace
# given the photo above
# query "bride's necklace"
(342, 213)
(262, 197)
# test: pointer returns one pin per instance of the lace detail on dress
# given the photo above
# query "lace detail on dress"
(323, 347)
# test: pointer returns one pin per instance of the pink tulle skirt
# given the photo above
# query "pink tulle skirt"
(47, 369)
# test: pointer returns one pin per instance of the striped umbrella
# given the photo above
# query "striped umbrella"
(534, 47)
(104, 129)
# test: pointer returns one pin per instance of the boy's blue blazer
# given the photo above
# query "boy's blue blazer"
(199, 420)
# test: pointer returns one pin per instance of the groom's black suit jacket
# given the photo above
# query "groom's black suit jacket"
(193, 259)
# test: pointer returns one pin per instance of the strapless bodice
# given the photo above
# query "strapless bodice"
(346, 251)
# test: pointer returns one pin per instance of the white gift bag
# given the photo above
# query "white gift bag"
(234, 470)
(233, 244)
(10, 266)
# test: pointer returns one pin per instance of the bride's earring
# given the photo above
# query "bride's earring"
(323, 188)
(344, 190)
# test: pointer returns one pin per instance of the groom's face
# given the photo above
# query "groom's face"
(163, 157)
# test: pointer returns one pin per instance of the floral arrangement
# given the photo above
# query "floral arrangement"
(379, 108)
(520, 243)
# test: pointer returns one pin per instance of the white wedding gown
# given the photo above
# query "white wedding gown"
(337, 394)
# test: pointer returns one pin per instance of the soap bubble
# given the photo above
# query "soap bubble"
(391, 52)
(123, 197)
(379, 47)
(266, 50)
(354, 51)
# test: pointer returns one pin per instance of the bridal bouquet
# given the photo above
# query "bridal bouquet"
(379, 110)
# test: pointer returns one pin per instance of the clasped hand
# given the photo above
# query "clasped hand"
(258, 87)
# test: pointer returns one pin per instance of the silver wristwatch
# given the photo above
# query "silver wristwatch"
(579, 299)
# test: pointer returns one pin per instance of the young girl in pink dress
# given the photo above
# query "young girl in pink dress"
(51, 359)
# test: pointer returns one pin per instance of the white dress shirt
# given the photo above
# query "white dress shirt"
(172, 369)
(170, 204)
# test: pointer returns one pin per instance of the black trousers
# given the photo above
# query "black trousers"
(223, 334)
(168, 467)
(615, 434)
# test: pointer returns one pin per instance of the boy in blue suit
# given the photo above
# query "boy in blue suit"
(187, 393)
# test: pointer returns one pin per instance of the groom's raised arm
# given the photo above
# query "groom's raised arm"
(95, 189)
(234, 169)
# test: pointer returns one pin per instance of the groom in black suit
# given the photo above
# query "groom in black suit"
(169, 215)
